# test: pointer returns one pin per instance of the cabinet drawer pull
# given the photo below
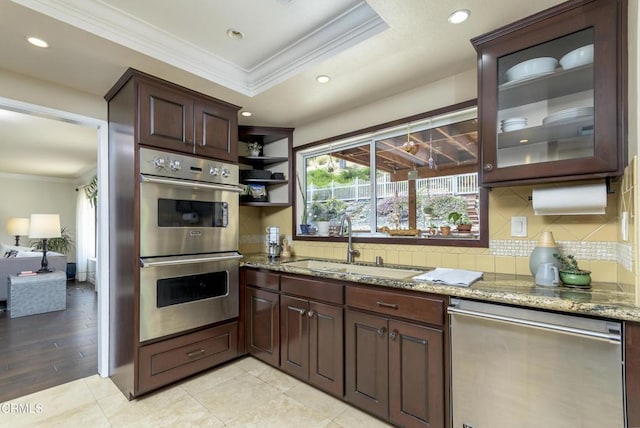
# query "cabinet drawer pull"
(387, 305)
(393, 335)
(194, 354)
(488, 167)
(311, 314)
(381, 331)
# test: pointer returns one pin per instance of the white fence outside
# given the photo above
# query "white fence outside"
(449, 185)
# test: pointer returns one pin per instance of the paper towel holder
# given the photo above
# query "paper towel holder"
(607, 182)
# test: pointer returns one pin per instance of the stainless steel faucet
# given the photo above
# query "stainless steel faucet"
(350, 251)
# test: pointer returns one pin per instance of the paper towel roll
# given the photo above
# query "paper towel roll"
(573, 200)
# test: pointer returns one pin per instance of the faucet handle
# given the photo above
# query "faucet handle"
(379, 261)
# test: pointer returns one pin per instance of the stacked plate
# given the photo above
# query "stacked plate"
(513, 124)
(568, 116)
(531, 68)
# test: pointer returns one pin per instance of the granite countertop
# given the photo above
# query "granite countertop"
(602, 300)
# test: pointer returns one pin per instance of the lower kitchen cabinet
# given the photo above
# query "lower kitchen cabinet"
(311, 342)
(263, 325)
(170, 360)
(395, 369)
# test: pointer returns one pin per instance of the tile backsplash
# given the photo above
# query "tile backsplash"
(594, 239)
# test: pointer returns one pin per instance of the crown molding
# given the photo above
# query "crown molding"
(348, 29)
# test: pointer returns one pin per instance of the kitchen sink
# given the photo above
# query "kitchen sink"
(331, 267)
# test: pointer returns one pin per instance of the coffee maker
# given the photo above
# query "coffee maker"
(273, 242)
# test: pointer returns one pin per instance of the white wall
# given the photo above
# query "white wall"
(454, 89)
(23, 195)
(29, 90)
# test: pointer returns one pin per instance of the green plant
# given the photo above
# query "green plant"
(458, 218)
(91, 191)
(568, 263)
(304, 200)
(327, 210)
(254, 147)
(62, 245)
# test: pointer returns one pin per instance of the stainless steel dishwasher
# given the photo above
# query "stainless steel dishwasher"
(513, 367)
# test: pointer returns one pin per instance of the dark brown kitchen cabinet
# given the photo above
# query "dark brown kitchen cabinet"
(263, 325)
(394, 368)
(170, 360)
(175, 118)
(312, 332)
(552, 95)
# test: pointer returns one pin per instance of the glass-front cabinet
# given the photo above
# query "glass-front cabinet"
(553, 95)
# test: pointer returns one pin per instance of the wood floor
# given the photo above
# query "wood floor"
(45, 350)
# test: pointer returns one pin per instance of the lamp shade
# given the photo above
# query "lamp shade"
(44, 226)
(18, 226)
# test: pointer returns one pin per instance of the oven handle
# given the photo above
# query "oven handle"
(229, 188)
(146, 263)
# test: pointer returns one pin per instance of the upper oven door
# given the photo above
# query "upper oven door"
(180, 217)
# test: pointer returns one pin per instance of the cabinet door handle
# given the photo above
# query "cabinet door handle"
(311, 314)
(393, 335)
(488, 167)
(381, 331)
(387, 305)
(197, 353)
(302, 312)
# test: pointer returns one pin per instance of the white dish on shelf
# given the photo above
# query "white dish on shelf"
(569, 115)
(531, 68)
(577, 57)
(513, 124)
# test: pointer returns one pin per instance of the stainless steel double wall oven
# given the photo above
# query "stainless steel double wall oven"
(188, 242)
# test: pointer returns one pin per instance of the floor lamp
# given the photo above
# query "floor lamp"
(18, 227)
(44, 226)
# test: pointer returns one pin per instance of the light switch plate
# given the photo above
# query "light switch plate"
(519, 226)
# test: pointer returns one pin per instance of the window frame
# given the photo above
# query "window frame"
(360, 136)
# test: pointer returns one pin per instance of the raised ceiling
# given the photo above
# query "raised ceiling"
(371, 49)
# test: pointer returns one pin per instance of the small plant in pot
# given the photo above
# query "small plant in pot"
(461, 220)
(254, 149)
(570, 273)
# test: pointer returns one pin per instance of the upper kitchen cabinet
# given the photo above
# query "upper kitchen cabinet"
(175, 118)
(267, 172)
(552, 95)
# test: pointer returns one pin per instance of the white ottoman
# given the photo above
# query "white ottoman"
(37, 294)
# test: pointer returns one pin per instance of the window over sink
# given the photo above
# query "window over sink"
(414, 180)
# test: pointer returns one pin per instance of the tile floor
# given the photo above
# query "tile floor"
(246, 393)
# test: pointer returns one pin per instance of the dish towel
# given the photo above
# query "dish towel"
(459, 277)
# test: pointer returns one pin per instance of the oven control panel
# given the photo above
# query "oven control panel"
(174, 165)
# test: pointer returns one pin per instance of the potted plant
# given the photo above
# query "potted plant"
(254, 149)
(570, 272)
(62, 245)
(461, 220)
(323, 212)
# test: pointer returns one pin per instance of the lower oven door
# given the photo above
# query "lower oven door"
(181, 293)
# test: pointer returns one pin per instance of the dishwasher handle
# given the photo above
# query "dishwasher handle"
(614, 336)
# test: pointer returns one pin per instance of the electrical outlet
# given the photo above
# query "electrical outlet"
(519, 226)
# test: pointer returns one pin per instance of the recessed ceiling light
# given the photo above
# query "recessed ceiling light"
(323, 78)
(37, 42)
(246, 113)
(459, 16)
(524, 141)
(235, 34)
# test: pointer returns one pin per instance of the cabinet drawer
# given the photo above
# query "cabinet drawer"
(313, 289)
(263, 279)
(174, 359)
(418, 308)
